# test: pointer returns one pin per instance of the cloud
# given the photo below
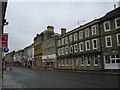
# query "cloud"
(26, 19)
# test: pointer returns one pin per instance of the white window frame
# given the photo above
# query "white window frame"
(105, 27)
(80, 46)
(59, 63)
(70, 49)
(70, 38)
(62, 40)
(59, 51)
(117, 39)
(82, 61)
(86, 45)
(62, 62)
(93, 43)
(116, 23)
(66, 62)
(75, 36)
(93, 29)
(66, 40)
(77, 62)
(63, 49)
(75, 48)
(88, 60)
(106, 41)
(66, 50)
(80, 37)
(87, 29)
(108, 59)
(94, 61)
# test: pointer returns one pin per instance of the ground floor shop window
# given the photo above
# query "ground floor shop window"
(62, 62)
(115, 58)
(70, 62)
(59, 63)
(107, 59)
(112, 61)
(82, 61)
(77, 62)
(88, 61)
(66, 62)
(96, 61)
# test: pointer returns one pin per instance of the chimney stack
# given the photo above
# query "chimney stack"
(50, 28)
(63, 31)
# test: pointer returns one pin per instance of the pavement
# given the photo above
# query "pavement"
(91, 72)
(10, 82)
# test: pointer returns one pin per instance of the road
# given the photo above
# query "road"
(57, 79)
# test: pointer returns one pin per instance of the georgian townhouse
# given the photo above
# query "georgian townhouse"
(38, 40)
(110, 33)
(38, 50)
(93, 46)
(49, 51)
(80, 48)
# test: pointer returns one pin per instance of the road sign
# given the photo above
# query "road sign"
(4, 40)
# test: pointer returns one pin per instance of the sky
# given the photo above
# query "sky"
(26, 19)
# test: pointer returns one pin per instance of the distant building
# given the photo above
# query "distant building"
(8, 59)
(30, 53)
(17, 58)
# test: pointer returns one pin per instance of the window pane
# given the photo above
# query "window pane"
(118, 39)
(118, 61)
(118, 22)
(117, 56)
(93, 30)
(95, 43)
(107, 26)
(108, 41)
(113, 61)
(80, 35)
(113, 56)
(81, 46)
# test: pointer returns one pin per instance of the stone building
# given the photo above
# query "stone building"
(110, 37)
(25, 56)
(8, 59)
(90, 46)
(38, 50)
(30, 53)
(17, 58)
(80, 48)
(38, 44)
(49, 50)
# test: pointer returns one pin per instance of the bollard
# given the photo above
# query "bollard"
(48, 68)
(51, 68)
(38, 67)
(41, 68)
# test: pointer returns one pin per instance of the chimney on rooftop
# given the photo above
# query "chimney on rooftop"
(63, 31)
(50, 28)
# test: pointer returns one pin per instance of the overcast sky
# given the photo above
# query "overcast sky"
(26, 19)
